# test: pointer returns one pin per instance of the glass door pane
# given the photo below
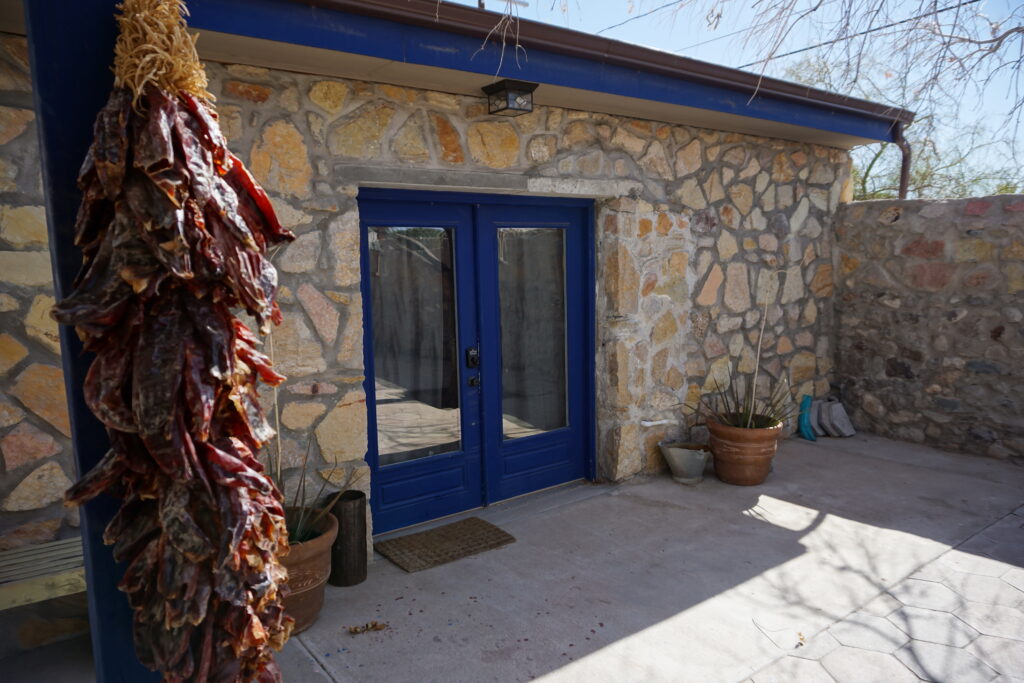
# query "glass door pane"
(415, 341)
(531, 290)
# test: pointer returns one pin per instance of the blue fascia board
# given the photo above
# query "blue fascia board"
(290, 22)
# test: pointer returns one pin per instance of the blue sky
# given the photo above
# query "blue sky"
(681, 31)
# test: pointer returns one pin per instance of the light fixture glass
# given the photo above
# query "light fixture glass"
(509, 97)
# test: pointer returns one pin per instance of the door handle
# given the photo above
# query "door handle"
(473, 357)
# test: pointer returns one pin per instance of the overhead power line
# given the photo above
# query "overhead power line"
(639, 16)
(861, 33)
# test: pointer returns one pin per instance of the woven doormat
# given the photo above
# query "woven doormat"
(444, 544)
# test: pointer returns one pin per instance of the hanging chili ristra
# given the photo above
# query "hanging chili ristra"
(174, 232)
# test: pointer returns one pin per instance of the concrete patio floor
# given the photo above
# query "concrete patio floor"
(839, 567)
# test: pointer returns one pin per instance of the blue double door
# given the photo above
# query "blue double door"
(479, 347)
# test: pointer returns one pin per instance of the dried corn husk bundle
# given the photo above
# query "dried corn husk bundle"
(174, 232)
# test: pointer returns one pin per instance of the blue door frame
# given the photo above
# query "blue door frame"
(487, 468)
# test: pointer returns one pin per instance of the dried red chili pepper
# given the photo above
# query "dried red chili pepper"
(174, 233)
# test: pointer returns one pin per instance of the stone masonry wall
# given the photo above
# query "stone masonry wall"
(36, 451)
(930, 304)
(694, 229)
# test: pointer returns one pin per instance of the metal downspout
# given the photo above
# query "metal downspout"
(905, 164)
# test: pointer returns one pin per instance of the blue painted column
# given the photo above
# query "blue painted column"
(71, 46)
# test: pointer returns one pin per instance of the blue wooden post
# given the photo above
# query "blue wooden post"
(71, 47)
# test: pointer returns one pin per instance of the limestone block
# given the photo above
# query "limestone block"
(767, 286)
(655, 162)
(297, 352)
(709, 292)
(793, 289)
(25, 444)
(737, 288)
(40, 326)
(324, 315)
(280, 160)
(408, 144)
(25, 268)
(621, 280)
(43, 486)
(360, 135)
(252, 92)
(802, 367)
(343, 239)
(727, 247)
(494, 144)
(301, 415)
(329, 96)
(448, 139)
(742, 197)
(822, 285)
(10, 414)
(13, 122)
(719, 375)
(12, 352)
(350, 350)
(8, 303)
(40, 388)
(632, 144)
(23, 226)
(690, 195)
(341, 435)
(302, 255)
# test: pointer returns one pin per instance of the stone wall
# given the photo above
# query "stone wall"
(37, 463)
(694, 229)
(930, 305)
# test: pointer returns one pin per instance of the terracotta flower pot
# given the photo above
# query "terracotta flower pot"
(743, 456)
(309, 565)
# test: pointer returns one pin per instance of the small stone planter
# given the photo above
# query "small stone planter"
(686, 460)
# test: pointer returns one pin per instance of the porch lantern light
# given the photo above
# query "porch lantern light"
(510, 98)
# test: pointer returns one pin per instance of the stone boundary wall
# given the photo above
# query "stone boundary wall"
(930, 304)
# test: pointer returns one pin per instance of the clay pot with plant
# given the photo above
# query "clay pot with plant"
(745, 427)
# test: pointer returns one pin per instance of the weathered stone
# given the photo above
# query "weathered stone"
(25, 444)
(793, 289)
(25, 268)
(742, 197)
(737, 288)
(14, 122)
(784, 346)
(767, 286)
(288, 215)
(302, 415)
(302, 255)
(10, 414)
(688, 158)
(361, 134)
(621, 280)
(577, 134)
(319, 309)
(40, 326)
(626, 140)
(448, 139)
(709, 292)
(442, 100)
(719, 375)
(655, 162)
(23, 226)
(280, 161)
(341, 435)
(494, 144)
(8, 303)
(43, 486)
(40, 388)
(313, 388)
(297, 353)
(12, 352)
(408, 144)
(713, 189)
(343, 240)
(350, 350)
(823, 285)
(248, 91)
(930, 277)
(664, 329)
(973, 250)
(726, 245)
(542, 148)
(690, 195)
(802, 367)
(329, 96)
(397, 93)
